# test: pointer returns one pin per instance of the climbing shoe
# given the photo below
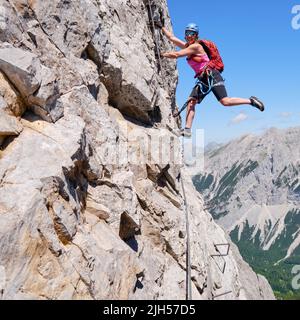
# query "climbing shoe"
(257, 103)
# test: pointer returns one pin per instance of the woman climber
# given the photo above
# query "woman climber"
(204, 58)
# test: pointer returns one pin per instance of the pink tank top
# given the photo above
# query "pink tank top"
(198, 67)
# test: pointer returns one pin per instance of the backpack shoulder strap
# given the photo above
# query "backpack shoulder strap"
(204, 44)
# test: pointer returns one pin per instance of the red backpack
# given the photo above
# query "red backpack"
(213, 53)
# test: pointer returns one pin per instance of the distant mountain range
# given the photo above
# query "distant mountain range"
(212, 146)
(251, 186)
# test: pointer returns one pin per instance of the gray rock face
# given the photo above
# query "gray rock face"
(9, 126)
(87, 209)
(11, 101)
(35, 82)
(21, 68)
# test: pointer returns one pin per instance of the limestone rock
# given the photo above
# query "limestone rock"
(99, 210)
(91, 149)
(21, 68)
(10, 100)
(9, 126)
(45, 102)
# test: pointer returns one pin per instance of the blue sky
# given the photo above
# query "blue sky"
(261, 53)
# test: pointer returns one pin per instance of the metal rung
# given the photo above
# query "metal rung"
(220, 295)
(221, 255)
(217, 245)
(222, 269)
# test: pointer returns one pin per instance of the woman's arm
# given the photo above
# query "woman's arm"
(179, 43)
(193, 49)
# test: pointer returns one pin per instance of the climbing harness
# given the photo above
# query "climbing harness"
(157, 41)
(206, 88)
(203, 87)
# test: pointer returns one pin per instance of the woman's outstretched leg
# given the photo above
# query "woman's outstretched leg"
(253, 101)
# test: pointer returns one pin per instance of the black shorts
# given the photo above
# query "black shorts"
(219, 90)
